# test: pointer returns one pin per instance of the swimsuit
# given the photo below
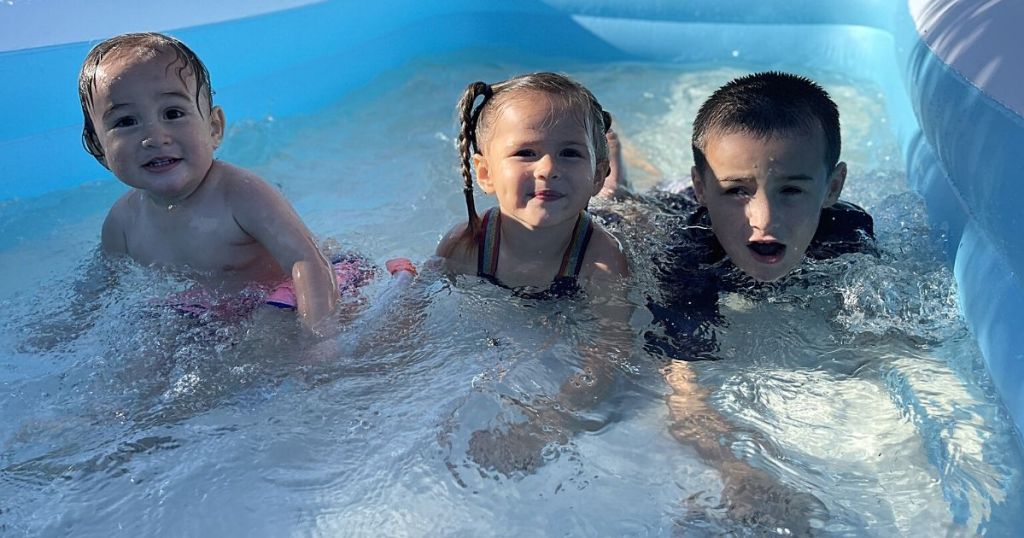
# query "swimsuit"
(566, 281)
(351, 272)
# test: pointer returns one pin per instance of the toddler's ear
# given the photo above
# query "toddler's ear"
(698, 184)
(217, 123)
(835, 184)
(483, 173)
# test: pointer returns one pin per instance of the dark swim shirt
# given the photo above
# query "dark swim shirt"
(694, 269)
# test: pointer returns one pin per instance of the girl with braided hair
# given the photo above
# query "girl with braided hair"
(537, 143)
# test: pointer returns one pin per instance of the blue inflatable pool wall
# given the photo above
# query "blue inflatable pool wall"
(949, 73)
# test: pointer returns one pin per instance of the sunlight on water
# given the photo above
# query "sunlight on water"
(858, 385)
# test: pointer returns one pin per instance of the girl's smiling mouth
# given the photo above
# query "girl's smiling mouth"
(548, 195)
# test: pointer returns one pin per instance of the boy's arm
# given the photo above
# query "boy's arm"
(263, 213)
(752, 496)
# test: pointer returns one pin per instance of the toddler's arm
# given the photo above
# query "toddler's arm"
(112, 237)
(263, 213)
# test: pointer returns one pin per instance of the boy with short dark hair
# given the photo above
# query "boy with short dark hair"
(766, 184)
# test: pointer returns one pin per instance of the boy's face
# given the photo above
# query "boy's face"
(765, 195)
(153, 136)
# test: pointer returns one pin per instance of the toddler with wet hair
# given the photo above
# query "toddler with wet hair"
(149, 118)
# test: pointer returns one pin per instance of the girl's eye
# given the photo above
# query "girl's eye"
(569, 152)
(126, 121)
(174, 114)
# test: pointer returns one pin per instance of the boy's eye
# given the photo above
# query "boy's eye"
(174, 113)
(792, 190)
(736, 191)
(126, 121)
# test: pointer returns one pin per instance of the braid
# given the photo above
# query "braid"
(467, 143)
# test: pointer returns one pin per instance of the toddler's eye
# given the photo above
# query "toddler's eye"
(174, 113)
(126, 121)
(525, 153)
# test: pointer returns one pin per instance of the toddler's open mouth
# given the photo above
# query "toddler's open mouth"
(767, 251)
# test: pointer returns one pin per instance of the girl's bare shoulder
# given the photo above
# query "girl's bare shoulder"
(458, 250)
(605, 256)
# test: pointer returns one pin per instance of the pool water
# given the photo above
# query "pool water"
(861, 386)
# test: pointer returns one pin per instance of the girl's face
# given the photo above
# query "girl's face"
(539, 161)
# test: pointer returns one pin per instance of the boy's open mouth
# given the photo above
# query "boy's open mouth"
(768, 251)
(160, 163)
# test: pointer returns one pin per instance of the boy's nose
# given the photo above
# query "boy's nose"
(759, 213)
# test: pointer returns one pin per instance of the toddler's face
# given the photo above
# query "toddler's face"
(539, 161)
(765, 196)
(153, 134)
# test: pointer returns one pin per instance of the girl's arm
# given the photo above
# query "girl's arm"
(556, 419)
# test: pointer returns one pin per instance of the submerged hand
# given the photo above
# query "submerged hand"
(520, 448)
(757, 500)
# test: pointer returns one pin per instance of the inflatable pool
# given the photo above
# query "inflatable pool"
(947, 71)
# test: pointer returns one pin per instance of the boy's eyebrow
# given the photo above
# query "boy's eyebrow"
(799, 177)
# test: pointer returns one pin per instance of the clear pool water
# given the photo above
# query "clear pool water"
(863, 387)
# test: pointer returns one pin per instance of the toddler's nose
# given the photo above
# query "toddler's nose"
(154, 136)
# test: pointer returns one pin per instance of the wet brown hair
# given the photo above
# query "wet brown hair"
(477, 121)
(187, 59)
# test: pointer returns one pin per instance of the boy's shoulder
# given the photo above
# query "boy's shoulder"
(844, 228)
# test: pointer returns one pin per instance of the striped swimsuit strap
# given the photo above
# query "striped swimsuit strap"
(490, 242)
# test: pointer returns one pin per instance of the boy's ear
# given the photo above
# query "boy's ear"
(217, 124)
(698, 184)
(835, 184)
(483, 173)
